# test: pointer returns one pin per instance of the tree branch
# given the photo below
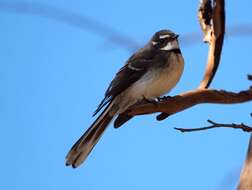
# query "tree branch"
(189, 99)
(212, 21)
(242, 126)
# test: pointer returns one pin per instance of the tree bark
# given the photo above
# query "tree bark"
(246, 173)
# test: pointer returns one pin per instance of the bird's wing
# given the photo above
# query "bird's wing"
(135, 67)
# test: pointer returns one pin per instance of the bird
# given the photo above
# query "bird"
(149, 73)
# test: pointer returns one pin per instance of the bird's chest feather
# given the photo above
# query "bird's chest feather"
(159, 81)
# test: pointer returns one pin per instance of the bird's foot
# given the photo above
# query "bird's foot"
(163, 98)
(150, 101)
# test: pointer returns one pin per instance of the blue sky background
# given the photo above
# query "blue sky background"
(53, 75)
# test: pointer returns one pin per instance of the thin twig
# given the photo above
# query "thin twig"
(242, 126)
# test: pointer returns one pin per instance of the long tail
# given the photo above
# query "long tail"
(88, 140)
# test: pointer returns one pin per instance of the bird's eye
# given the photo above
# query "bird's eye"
(159, 42)
(162, 41)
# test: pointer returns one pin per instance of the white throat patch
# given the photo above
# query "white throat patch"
(171, 45)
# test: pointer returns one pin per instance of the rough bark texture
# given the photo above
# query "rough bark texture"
(212, 21)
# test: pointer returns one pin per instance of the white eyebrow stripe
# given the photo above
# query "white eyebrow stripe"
(164, 36)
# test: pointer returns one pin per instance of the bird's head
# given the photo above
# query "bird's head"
(165, 40)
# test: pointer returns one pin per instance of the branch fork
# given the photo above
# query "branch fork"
(211, 14)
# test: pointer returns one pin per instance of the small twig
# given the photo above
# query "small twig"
(242, 126)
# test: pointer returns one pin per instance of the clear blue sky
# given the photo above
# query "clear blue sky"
(53, 75)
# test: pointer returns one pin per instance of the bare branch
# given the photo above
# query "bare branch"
(83, 22)
(246, 173)
(242, 126)
(189, 99)
(212, 21)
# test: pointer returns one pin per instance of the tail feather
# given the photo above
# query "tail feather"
(88, 140)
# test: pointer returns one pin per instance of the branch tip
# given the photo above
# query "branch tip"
(241, 126)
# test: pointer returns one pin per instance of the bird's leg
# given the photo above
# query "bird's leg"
(162, 116)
